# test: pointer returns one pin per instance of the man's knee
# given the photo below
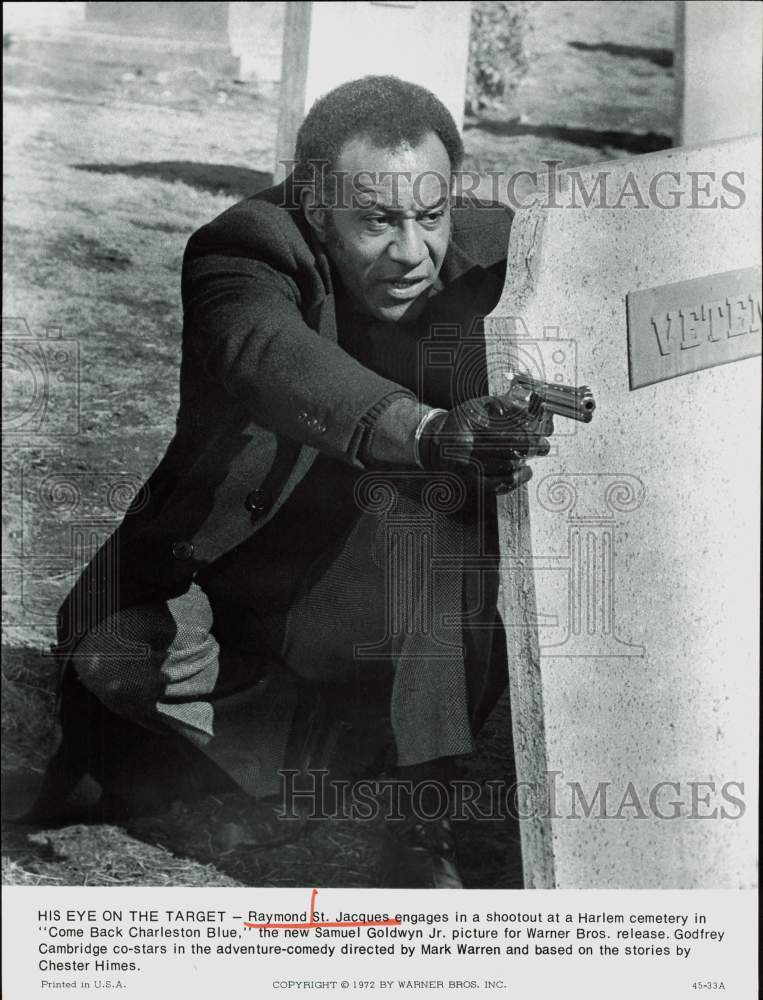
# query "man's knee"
(116, 666)
(147, 654)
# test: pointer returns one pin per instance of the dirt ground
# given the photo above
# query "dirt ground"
(115, 151)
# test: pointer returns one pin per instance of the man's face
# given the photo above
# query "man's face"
(388, 235)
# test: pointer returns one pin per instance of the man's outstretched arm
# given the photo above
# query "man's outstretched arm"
(243, 320)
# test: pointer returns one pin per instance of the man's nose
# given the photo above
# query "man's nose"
(408, 247)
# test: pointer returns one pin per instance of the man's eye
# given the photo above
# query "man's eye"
(377, 221)
(432, 218)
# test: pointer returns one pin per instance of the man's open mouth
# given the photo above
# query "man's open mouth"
(405, 287)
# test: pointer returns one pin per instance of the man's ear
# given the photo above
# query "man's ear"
(315, 212)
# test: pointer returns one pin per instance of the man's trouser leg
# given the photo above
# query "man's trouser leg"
(161, 665)
(369, 599)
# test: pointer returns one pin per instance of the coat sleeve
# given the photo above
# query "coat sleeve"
(244, 323)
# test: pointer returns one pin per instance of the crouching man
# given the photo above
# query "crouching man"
(325, 514)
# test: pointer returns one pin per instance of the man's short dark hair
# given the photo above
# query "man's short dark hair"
(388, 111)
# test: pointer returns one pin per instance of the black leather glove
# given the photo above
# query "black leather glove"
(484, 438)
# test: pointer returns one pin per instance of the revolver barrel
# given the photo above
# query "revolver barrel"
(573, 402)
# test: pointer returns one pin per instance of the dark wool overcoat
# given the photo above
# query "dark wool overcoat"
(264, 387)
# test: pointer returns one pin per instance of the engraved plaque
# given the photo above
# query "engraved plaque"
(681, 328)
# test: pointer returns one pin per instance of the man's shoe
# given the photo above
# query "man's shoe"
(66, 794)
(127, 779)
(419, 854)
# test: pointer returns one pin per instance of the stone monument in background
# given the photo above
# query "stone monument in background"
(326, 44)
(718, 70)
(630, 567)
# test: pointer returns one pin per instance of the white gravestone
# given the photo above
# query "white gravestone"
(718, 70)
(255, 32)
(327, 44)
(630, 594)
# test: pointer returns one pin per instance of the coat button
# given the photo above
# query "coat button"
(256, 501)
(303, 416)
(182, 550)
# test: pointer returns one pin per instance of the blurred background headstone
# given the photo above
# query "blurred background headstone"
(718, 70)
(326, 44)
